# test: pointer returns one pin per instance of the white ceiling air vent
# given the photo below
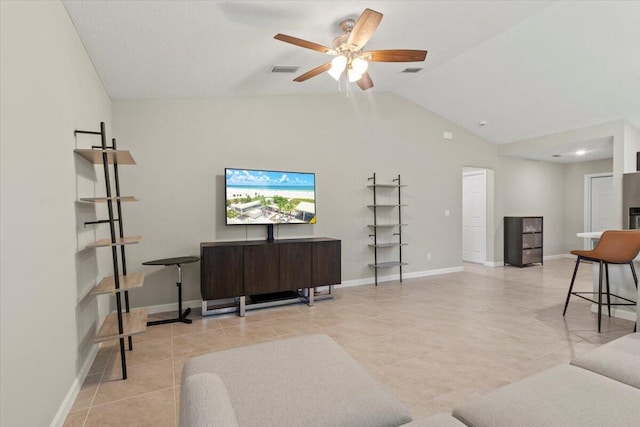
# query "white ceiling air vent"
(411, 70)
(284, 69)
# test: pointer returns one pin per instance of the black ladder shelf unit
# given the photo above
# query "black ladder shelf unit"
(124, 322)
(386, 242)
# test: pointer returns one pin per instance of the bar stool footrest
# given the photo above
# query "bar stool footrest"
(579, 295)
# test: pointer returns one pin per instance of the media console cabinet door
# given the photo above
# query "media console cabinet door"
(261, 269)
(326, 264)
(221, 272)
(295, 265)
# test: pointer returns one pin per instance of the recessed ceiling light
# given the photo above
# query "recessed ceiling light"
(580, 153)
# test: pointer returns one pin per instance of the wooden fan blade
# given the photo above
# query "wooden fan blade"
(365, 81)
(363, 29)
(312, 73)
(304, 43)
(395, 55)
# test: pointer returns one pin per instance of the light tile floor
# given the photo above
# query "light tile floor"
(435, 341)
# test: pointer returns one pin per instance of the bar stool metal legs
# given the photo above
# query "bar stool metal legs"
(573, 279)
(603, 271)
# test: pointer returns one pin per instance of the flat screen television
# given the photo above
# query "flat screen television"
(266, 197)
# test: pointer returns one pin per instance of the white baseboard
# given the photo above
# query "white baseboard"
(494, 264)
(67, 402)
(163, 308)
(395, 277)
(557, 256)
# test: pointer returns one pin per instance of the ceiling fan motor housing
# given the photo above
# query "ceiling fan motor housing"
(340, 43)
(347, 25)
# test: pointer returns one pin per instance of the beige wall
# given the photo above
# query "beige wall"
(534, 188)
(182, 147)
(48, 88)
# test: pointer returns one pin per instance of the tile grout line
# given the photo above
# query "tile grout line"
(131, 397)
(95, 393)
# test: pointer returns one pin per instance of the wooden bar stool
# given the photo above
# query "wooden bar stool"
(614, 247)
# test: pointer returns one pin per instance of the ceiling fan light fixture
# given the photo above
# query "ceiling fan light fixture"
(359, 65)
(337, 66)
(353, 76)
(356, 68)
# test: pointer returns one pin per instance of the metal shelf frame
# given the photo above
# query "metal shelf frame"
(376, 245)
(121, 324)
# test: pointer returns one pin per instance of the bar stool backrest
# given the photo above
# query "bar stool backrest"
(617, 246)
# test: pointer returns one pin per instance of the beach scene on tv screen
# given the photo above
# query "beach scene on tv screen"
(268, 197)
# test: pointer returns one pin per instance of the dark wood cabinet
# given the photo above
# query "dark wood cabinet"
(234, 269)
(261, 269)
(325, 263)
(522, 240)
(221, 272)
(295, 266)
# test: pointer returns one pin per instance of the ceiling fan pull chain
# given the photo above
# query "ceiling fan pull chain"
(343, 83)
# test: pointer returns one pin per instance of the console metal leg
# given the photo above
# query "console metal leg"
(205, 307)
(242, 306)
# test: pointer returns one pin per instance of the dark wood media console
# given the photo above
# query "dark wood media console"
(244, 268)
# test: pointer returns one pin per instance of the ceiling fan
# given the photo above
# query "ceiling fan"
(347, 49)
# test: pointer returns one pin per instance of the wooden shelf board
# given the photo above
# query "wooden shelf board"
(385, 206)
(385, 186)
(119, 241)
(388, 264)
(133, 323)
(108, 284)
(387, 225)
(387, 245)
(121, 157)
(104, 199)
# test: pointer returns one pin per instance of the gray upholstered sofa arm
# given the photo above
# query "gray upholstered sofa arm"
(207, 403)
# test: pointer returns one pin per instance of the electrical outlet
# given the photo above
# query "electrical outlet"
(447, 212)
(429, 255)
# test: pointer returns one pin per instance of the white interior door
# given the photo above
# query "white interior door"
(598, 199)
(601, 202)
(474, 216)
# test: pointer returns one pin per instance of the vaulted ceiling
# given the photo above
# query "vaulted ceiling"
(526, 68)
